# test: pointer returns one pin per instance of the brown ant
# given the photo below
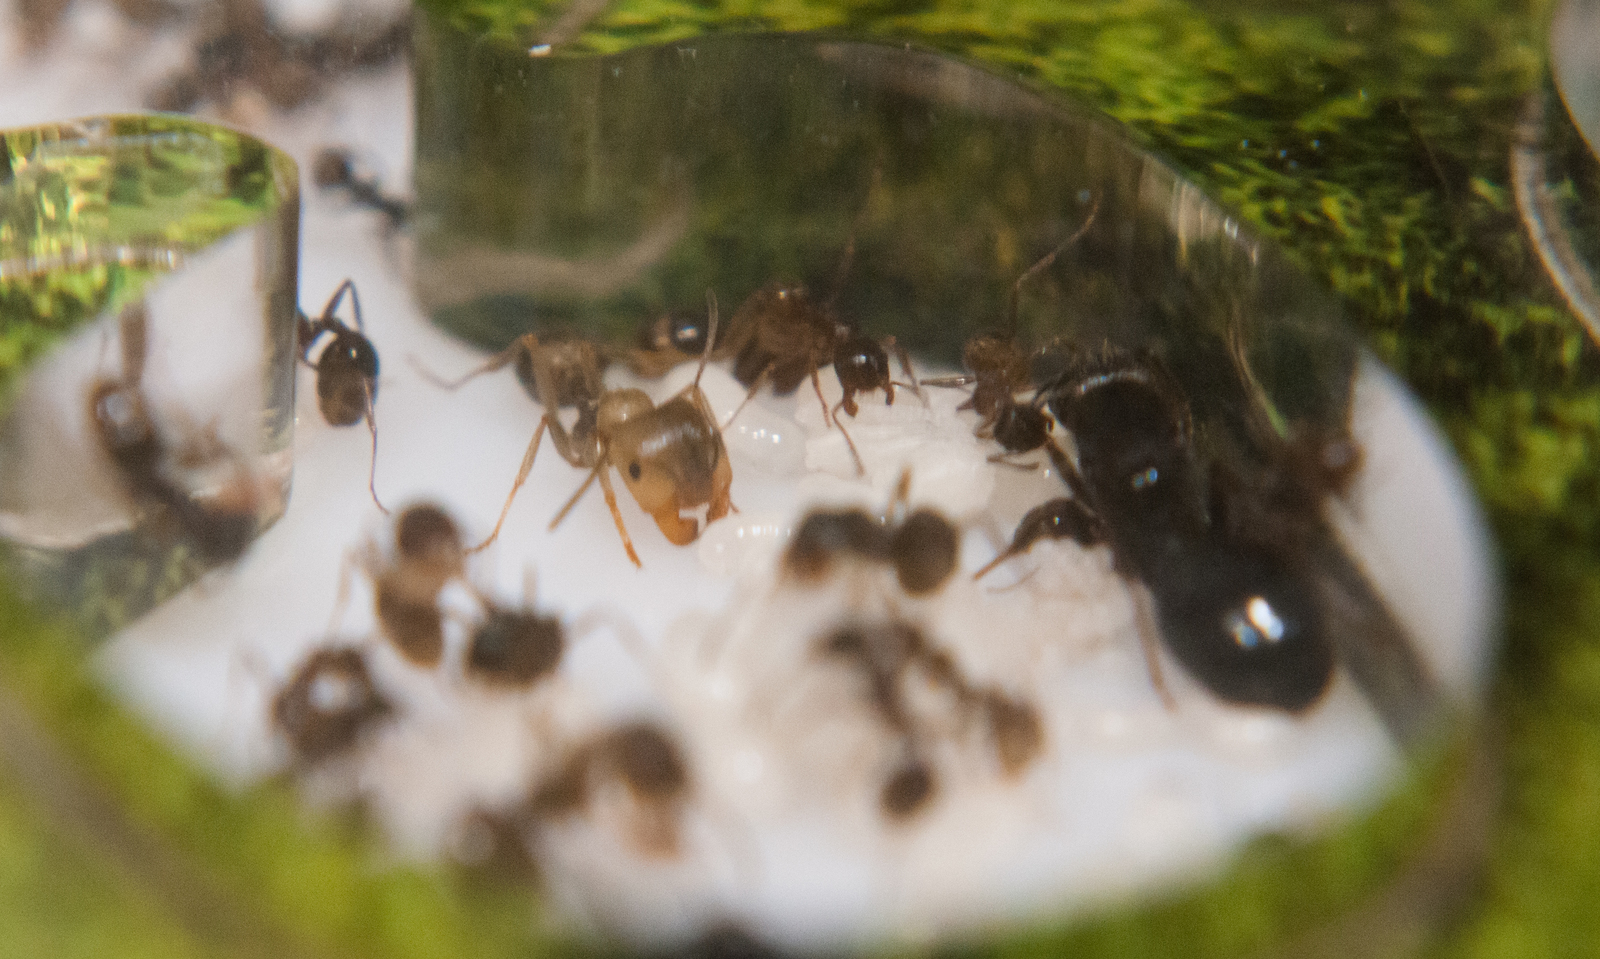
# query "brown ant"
(923, 547)
(219, 527)
(515, 647)
(334, 168)
(327, 705)
(671, 456)
(347, 371)
(427, 556)
(885, 653)
(998, 369)
(639, 756)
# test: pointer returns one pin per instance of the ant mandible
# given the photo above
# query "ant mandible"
(347, 371)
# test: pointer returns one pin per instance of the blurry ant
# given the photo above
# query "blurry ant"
(334, 169)
(923, 547)
(327, 705)
(886, 653)
(427, 556)
(670, 456)
(638, 756)
(218, 527)
(347, 371)
(998, 369)
(514, 647)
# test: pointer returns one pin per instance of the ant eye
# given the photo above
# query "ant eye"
(633, 469)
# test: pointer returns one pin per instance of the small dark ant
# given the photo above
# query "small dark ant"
(671, 456)
(334, 168)
(885, 653)
(665, 341)
(427, 556)
(515, 647)
(638, 755)
(1059, 518)
(998, 369)
(327, 705)
(1239, 614)
(218, 527)
(923, 547)
(347, 371)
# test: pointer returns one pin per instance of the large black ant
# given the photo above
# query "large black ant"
(923, 547)
(641, 757)
(347, 370)
(1234, 609)
(327, 705)
(219, 527)
(885, 654)
(671, 456)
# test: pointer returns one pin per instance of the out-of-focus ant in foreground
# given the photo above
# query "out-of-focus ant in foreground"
(347, 371)
(671, 456)
(641, 758)
(889, 654)
(328, 705)
(218, 526)
(1251, 592)
(923, 547)
(406, 584)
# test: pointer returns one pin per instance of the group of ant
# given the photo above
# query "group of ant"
(332, 702)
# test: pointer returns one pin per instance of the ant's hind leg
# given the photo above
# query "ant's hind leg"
(522, 477)
(527, 342)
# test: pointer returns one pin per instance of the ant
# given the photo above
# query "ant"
(347, 371)
(220, 527)
(327, 705)
(515, 647)
(1238, 612)
(885, 653)
(639, 756)
(671, 456)
(427, 556)
(334, 168)
(665, 341)
(998, 369)
(923, 547)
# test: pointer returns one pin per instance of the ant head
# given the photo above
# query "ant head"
(426, 533)
(861, 363)
(516, 647)
(908, 789)
(332, 166)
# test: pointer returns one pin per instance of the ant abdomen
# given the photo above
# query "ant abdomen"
(1244, 623)
(516, 647)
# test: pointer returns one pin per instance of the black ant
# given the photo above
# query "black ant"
(334, 168)
(671, 456)
(427, 556)
(219, 527)
(638, 755)
(347, 371)
(885, 653)
(1239, 614)
(923, 547)
(515, 647)
(327, 705)
(665, 341)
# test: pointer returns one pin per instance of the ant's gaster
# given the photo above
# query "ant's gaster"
(347, 370)
(327, 705)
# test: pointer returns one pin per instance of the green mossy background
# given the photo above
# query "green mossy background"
(1372, 141)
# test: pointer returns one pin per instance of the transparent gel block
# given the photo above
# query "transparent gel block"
(147, 425)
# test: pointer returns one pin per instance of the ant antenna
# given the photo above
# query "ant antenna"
(711, 335)
(1044, 264)
(372, 427)
(847, 259)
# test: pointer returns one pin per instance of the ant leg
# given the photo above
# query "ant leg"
(904, 358)
(1148, 631)
(526, 342)
(1004, 459)
(616, 514)
(522, 477)
(816, 384)
(861, 469)
(578, 494)
(755, 387)
(372, 427)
